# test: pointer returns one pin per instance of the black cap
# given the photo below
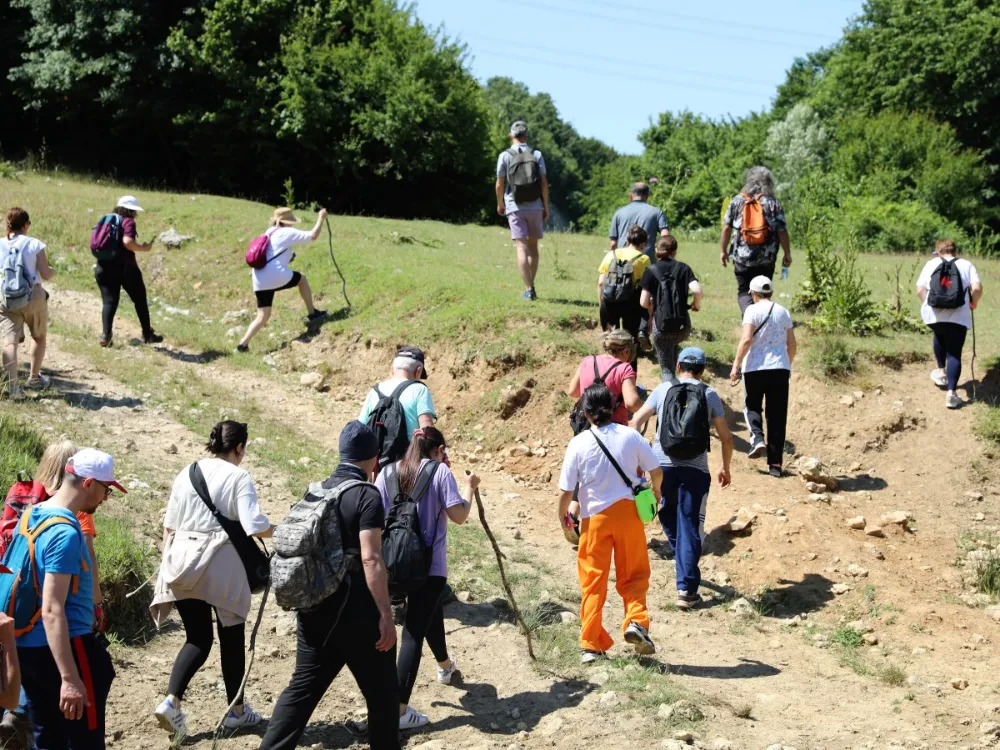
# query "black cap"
(357, 443)
(414, 353)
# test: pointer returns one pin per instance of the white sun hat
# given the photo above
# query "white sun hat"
(130, 202)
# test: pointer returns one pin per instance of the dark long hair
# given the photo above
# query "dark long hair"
(598, 405)
(425, 441)
(226, 437)
(125, 213)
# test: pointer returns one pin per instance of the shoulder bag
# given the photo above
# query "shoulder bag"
(645, 500)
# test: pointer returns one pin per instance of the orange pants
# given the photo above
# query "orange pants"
(616, 529)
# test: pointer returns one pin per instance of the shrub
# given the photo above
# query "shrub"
(125, 563)
(831, 356)
(847, 637)
(21, 448)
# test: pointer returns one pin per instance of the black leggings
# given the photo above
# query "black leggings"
(424, 619)
(111, 278)
(949, 340)
(197, 618)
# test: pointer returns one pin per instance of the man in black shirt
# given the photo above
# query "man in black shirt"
(354, 626)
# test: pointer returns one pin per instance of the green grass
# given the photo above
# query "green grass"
(125, 562)
(21, 447)
(847, 637)
(832, 357)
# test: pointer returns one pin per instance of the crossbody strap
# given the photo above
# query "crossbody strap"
(630, 483)
(234, 529)
(764, 322)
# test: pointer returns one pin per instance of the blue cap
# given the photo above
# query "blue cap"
(692, 355)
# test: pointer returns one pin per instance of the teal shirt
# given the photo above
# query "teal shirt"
(416, 401)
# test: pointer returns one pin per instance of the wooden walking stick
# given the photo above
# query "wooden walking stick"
(503, 575)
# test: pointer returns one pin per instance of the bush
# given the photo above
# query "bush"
(987, 424)
(879, 225)
(831, 356)
(125, 563)
(21, 448)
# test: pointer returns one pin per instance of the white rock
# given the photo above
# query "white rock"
(673, 745)
(312, 380)
(720, 743)
(742, 607)
(899, 518)
(840, 588)
(682, 710)
(858, 522)
(873, 530)
(567, 618)
(173, 238)
(857, 571)
(609, 698)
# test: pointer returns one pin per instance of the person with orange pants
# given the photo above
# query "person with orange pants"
(610, 527)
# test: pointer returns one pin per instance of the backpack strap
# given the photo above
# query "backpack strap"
(423, 482)
(31, 535)
(398, 391)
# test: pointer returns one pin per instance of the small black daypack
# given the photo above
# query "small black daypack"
(388, 421)
(671, 313)
(524, 175)
(406, 555)
(946, 291)
(684, 421)
(619, 283)
(577, 419)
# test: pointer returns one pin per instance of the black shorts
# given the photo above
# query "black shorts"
(265, 297)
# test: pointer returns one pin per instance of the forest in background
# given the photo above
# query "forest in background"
(883, 141)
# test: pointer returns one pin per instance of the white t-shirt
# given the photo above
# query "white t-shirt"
(600, 484)
(769, 349)
(30, 247)
(961, 315)
(232, 492)
(277, 272)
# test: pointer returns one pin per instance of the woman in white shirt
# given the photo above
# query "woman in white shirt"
(276, 275)
(949, 324)
(610, 524)
(202, 572)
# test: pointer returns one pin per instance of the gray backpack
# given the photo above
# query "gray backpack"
(524, 175)
(15, 285)
(309, 562)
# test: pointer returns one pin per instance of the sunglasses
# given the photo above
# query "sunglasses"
(108, 489)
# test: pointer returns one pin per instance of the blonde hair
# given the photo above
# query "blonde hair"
(619, 342)
(52, 467)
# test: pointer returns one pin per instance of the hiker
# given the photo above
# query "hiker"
(523, 197)
(117, 268)
(949, 289)
(202, 572)
(404, 386)
(681, 447)
(618, 284)
(759, 223)
(665, 287)
(613, 369)
(421, 478)
(610, 524)
(638, 212)
(276, 275)
(11, 697)
(66, 670)
(764, 358)
(353, 626)
(23, 301)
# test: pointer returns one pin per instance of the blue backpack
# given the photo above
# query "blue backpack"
(15, 286)
(106, 237)
(20, 588)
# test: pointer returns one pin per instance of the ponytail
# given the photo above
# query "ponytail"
(425, 441)
(226, 437)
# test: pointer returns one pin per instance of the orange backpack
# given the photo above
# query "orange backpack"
(754, 228)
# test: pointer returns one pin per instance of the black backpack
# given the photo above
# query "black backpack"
(388, 422)
(619, 284)
(407, 557)
(671, 313)
(577, 419)
(684, 421)
(524, 176)
(946, 291)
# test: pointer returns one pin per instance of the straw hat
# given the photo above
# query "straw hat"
(284, 216)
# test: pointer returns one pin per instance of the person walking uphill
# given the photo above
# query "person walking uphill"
(638, 212)
(522, 190)
(423, 477)
(352, 626)
(610, 523)
(66, 671)
(202, 572)
(618, 284)
(764, 357)
(276, 275)
(949, 289)
(755, 222)
(114, 243)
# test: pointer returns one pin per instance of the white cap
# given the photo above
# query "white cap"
(91, 463)
(761, 285)
(130, 202)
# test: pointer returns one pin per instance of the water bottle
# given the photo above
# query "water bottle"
(784, 273)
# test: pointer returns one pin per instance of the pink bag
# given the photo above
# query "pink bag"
(257, 251)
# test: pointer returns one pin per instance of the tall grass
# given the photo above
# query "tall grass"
(21, 447)
(125, 562)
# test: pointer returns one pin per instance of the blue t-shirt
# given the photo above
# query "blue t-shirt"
(61, 549)
(656, 399)
(646, 216)
(416, 401)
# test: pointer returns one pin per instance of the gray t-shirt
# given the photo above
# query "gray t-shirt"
(657, 399)
(503, 162)
(646, 216)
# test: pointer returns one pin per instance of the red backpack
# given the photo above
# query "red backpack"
(24, 493)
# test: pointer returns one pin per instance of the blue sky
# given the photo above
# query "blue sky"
(613, 66)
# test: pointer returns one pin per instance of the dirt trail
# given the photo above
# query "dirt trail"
(800, 694)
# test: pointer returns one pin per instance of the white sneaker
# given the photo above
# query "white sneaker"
(38, 384)
(172, 719)
(412, 719)
(952, 401)
(757, 449)
(249, 718)
(445, 675)
(638, 636)
(939, 378)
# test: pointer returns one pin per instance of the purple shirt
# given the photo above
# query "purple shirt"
(129, 230)
(442, 493)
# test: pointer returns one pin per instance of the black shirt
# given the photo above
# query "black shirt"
(360, 507)
(680, 271)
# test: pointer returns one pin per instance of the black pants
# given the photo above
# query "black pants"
(111, 278)
(949, 340)
(424, 619)
(628, 316)
(197, 618)
(325, 643)
(768, 387)
(41, 680)
(746, 274)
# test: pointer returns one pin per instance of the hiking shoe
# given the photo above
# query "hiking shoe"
(412, 719)
(243, 348)
(645, 343)
(952, 401)
(105, 341)
(249, 718)
(172, 719)
(687, 601)
(939, 378)
(589, 656)
(638, 636)
(152, 337)
(528, 295)
(316, 315)
(757, 448)
(774, 471)
(38, 384)
(445, 675)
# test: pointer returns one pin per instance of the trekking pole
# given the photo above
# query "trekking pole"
(343, 281)
(972, 312)
(142, 585)
(503, 574)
